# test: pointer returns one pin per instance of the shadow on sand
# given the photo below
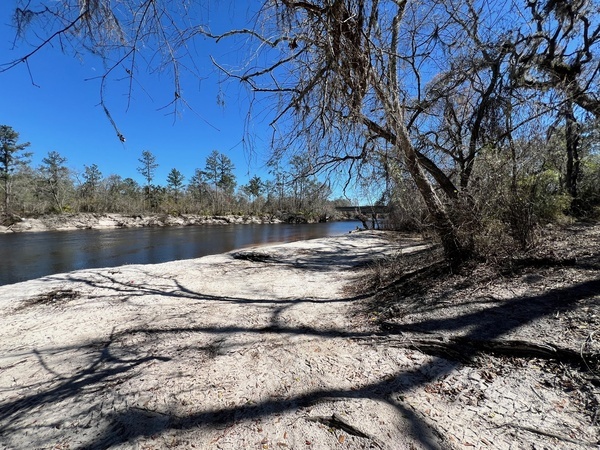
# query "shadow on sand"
(107, 366)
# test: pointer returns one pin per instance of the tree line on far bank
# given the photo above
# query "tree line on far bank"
(53, 188)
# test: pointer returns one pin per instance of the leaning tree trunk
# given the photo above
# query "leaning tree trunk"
(454, 250)
(388, 93)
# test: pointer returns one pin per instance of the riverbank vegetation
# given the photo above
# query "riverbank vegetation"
(54, 188)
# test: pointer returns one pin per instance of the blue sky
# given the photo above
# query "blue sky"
(59, 111)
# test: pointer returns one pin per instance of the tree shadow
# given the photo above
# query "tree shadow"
(482, 325)
(497, 321)
(387, 390)
(105, 366)
(491, 323)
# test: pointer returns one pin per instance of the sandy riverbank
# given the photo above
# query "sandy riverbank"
(258, 348)
(83, 221)
(224, 351)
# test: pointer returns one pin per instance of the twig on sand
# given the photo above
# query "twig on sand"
(335, 421)
(551, 435)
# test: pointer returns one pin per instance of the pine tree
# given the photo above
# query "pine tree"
(11, 157)
(147, 170)
(175, 182)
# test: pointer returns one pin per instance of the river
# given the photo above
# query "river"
(25, 256)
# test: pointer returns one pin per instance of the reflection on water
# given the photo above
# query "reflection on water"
(25, 256)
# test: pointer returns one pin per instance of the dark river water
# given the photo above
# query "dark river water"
(25, 256)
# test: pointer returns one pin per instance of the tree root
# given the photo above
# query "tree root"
(464, 349)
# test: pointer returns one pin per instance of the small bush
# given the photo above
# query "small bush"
(7, 220)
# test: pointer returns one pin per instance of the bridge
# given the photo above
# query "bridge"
(369, 209)
(366, 214)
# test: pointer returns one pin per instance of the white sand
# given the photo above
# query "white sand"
(215, 352)
(260, 352)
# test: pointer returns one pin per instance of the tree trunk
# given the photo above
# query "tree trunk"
(6, 194)
(446, 230)
(572, 144)
(389, 96)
